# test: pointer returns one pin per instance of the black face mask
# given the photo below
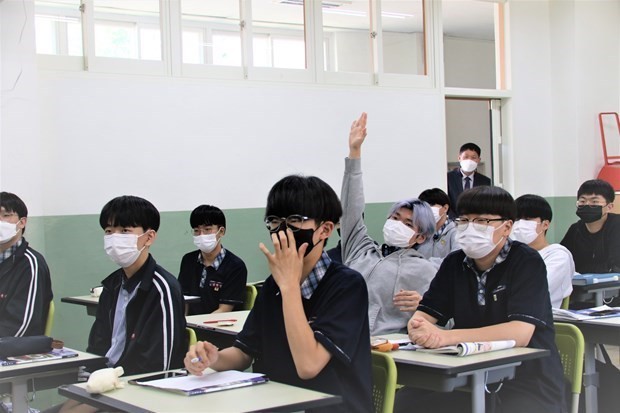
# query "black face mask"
(589, 214)
(301, 236)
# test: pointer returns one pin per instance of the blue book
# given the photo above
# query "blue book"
(588, 279)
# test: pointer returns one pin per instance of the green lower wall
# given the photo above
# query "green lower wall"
(73, 248)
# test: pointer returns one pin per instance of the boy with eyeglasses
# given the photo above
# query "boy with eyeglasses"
(533, 219)
(25, 284)
(212, 272)
(396, 273)
(594, 240)
(309, 324)
(494, 289)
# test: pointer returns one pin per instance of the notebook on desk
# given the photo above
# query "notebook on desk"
(61, 353)
(588, 279)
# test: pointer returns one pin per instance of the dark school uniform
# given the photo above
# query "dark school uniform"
(515, 290)
(220, 283)
(155, 321)
(337, 312)
(595, 253)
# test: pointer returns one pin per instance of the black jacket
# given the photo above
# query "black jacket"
(155, 334)
(455, 187)
(25, 293)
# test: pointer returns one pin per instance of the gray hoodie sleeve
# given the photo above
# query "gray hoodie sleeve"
(354, 234)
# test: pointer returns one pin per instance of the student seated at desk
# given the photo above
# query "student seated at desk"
(212, 272)
(309, 324)
(533, 219)
(494, 289)
(396, 273)
(25, 285)
(443, 242)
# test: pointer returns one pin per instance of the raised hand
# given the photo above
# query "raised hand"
(357, 135)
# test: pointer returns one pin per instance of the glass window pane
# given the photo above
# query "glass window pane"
(469, 43)
(211, 32)
(127, 29)
(279, 34)
(58, 27)
(402, 24)
(346, 31)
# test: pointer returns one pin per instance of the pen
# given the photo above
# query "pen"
(232, 320)
(195, 360)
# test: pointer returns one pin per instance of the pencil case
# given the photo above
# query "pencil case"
(19, 346)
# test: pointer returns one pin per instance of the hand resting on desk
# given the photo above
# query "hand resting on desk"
(201, 356)
(425, 333)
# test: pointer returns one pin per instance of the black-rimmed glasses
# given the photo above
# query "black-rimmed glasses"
(480, 224)
(293, 222)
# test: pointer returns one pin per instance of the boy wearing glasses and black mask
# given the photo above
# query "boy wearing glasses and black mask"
(494, 289)
(396, 273)
(594, 240)
(309, 324)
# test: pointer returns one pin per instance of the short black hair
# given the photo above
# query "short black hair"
(533, 206)
(129, 211)
(597, 187)
(305, 195)
(12, 203)
(207, 215)
(470, 146)
(434, 196)
(490, 200)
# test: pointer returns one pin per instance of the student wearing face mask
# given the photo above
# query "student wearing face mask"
(140, 323)
(494, 289)
(25, 285)
(466, 176)
(396, 273)
(533, 219)
(443, 241)
(594, 240)
(212, 272)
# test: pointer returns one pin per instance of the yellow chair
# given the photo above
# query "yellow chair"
(570, 343)
(384, 376)
(250, 296)
(191, 337)
(565, 302)
(49, 323)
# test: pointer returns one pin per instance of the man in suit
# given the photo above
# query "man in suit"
(465, 177)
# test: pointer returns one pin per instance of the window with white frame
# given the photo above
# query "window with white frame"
(403, 40)
(58, 27)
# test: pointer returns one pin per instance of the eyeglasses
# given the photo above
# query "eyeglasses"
(480, 224)
(6, 215)
(592, 203)
(293, 222)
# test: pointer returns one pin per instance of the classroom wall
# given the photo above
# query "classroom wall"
(71, 141)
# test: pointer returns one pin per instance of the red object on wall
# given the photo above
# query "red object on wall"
(610, 172)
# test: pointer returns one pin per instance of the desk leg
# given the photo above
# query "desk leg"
(19, 393)
(598, 298)
(477, 392)
(590, 378)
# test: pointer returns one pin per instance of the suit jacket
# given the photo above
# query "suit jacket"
(455, 187)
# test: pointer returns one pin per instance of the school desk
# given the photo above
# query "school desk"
(271, 396)
(598, 331)
(208, 328)
(602, 291)
(446, 373)
(43, 375)
(91, 302)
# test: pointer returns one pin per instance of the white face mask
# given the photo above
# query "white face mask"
(122, 248)
(397, 234)
(206, 243)
(524, 231)
(467, 165)
(7, 231)
(436, 214)
(477, 244)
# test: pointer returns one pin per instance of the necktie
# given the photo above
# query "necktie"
(467, 183)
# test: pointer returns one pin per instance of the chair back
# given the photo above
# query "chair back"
(191, 337)
(565, 303)
(384, 377)
(570, 343)
(250, 297)
(49, 323)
